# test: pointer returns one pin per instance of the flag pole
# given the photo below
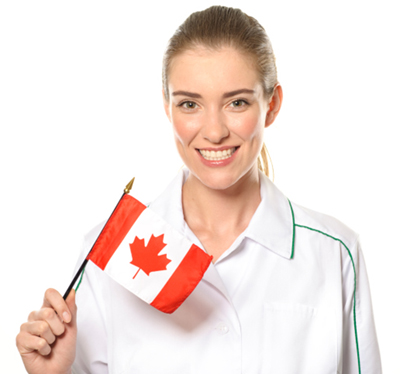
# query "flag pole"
(82, 267)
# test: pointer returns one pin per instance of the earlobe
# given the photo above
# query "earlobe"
(274, 105)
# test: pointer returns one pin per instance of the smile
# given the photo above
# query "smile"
(217, 155)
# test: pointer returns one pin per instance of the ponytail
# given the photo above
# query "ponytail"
(262, 161)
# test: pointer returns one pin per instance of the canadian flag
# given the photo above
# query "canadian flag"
(146, 255)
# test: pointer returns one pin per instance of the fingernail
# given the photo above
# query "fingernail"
(66, 317)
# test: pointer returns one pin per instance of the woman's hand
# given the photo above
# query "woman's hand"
(47, 342)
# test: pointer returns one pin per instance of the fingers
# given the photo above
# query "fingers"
(27, 343)
(54, 312)
(73, 308)
(70, 301)
(48, 316)
(40, 329)
(35, 336)
(53, 299)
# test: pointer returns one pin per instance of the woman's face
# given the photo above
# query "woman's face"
(218, 112)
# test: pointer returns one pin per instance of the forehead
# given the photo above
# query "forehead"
(204, 69)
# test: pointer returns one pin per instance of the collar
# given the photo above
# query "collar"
(272, 224)
(169, 204)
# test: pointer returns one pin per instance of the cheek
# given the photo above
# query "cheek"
(249, 127)
(185, 130)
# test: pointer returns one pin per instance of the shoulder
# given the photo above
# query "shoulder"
(315, 222)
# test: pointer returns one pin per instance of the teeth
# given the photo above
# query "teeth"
(219, 155)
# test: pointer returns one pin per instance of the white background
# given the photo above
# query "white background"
(81, 114)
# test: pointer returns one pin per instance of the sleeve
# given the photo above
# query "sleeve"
(360, 345)
(91, 347)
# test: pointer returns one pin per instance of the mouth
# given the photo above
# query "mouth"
(217, 155)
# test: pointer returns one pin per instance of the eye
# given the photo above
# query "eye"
(188, 105)
(239, 103)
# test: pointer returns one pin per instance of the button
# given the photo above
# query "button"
(222, 328)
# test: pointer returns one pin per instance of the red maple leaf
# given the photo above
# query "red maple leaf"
(146, 258)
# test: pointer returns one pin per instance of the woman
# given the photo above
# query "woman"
(287, 292)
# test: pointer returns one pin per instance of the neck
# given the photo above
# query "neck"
(221, 211)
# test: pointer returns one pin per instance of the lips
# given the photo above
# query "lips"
(212, 155)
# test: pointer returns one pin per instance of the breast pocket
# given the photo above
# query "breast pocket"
(299, 339)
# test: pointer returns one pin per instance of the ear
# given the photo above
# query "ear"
(274, 105)
(166, 106)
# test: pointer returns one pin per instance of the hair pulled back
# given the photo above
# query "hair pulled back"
(217, 27)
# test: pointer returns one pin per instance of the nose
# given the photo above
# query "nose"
(214, 127)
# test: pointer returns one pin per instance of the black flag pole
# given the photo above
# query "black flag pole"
(82, 267)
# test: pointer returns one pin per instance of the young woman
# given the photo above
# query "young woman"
(287, 291)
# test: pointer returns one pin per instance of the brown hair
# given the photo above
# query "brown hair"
(220, 26)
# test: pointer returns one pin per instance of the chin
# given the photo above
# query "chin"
(218, 180)
(218, 185)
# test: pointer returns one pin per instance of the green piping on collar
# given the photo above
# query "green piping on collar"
(294, 229)
(80, 279)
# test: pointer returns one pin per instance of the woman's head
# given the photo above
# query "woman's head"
(220, 34)
(218, 27)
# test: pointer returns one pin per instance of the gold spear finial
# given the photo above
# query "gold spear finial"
(129, 186)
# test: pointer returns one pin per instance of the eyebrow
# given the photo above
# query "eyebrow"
(187, 93)
(237, 92)
(225, 95)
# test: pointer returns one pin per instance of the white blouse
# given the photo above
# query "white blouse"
(290, 296)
